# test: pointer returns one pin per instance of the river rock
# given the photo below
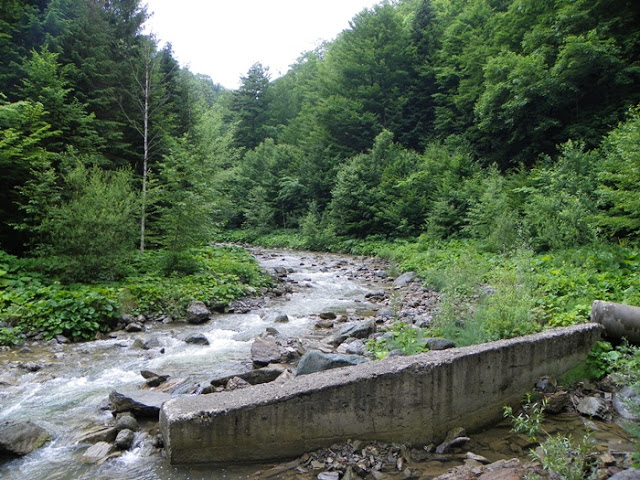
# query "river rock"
(404, 279)
(360, 329)
(197, 339)
(142, 403)
(97, 453)
(592, 407)
(134, 327)
(20, 438)
(276, 317)
(629, 474)
(621, 400)
(99, 434)
(197, 312)
(436, 343)
(235, 383)
(124, 440)
(328, 316)
(385, 313)
(280, 271)
(254, 377)
(352, 347)
(329, 476)
(126, 421)
(316, 361)
(264, 351)
(557, 402)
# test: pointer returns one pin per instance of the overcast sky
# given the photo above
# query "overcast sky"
(223, 38)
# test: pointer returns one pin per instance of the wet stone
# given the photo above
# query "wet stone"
(124, 440)
(127, 422)
(97, 453)
(197, 339)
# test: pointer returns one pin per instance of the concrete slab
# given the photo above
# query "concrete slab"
(414, 400)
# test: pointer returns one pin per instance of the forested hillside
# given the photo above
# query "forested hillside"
(512, 123)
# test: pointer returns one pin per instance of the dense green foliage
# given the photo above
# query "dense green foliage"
(33, 300)
(499, 139)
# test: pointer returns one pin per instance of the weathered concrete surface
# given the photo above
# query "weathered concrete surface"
(619, 320)
(400, 399)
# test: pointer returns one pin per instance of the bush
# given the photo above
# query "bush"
(91, 230)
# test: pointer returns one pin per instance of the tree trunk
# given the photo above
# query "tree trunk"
(619, 321)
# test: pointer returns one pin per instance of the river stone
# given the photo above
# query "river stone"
(197, 312)
(629, 474)
(621, 400)
(124, 440)
(97, 453)
(99, 434)
(329, 476)
(384, 313)
(142, 403)
(355, 330)
(592, 407)
(316, 361)
(254, 377)
(324, 324)
(20, 438)
(439, 343)
(127, 422)
(197, 339)
(276, 317)
(404, 279)
(328, 316)
(134, 327)
(264, 351)
(353, 347)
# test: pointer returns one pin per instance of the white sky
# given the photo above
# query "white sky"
(223, 38)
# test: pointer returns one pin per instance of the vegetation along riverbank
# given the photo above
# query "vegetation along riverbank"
(491, 148)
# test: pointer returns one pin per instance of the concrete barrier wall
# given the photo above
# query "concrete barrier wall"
(415, 400)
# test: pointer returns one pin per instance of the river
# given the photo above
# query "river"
(67, 391)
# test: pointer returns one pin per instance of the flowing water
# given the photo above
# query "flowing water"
(68, 394)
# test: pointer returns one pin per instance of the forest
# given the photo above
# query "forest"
(478, 142)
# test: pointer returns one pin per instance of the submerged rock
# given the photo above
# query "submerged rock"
(20, 438)
(197, 339)
(98, 453)
(316, 361)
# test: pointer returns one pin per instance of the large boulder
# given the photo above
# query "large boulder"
(265, 351)
(197, 312)
(141, 403)
(20, 438)
(355, 330)
(316, 361)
